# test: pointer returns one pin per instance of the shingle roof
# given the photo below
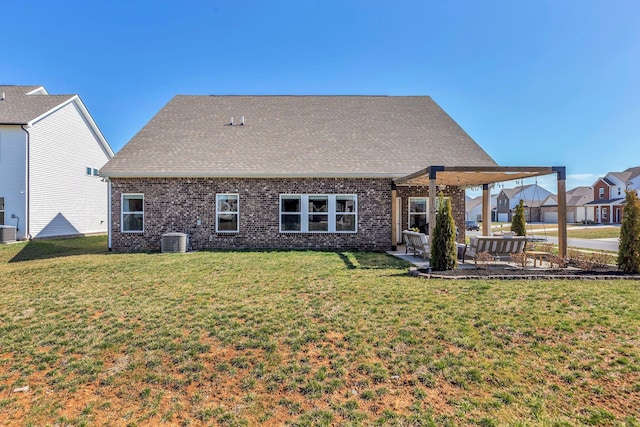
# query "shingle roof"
(607, 201)
(579, 196)
(512, 192)
(19, 108)
(296, 136)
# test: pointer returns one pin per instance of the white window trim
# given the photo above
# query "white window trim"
(331, 213)
(219, 212)
(123, 213)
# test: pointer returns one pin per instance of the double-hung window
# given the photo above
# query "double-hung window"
(132, 213)
(227, 211)
(418, 213)
(318, 213)
(1, 210)
(345, 213)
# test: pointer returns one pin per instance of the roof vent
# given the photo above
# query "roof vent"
(231, 122)
(2, 96)
(242, 120)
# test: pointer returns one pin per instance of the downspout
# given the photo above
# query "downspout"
(27, 219)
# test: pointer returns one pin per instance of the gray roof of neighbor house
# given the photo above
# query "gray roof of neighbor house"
(578, 196)
(23, 104)
(625, 175)
(296, 136)
(512, 192)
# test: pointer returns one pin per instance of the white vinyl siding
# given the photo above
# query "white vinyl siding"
(65, 197)
(318, 213)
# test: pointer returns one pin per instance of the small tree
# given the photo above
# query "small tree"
(518, 224)
(629, 248)
(444, 249)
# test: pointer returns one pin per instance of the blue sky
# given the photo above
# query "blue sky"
(534, 82)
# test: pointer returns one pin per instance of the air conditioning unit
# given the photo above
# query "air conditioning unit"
(174, 242)
(7, 233)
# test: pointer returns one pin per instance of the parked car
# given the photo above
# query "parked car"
(472, 225)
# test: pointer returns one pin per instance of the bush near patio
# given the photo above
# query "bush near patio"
(304, 338)
(629, 248)
(443, 247)
(518, 224)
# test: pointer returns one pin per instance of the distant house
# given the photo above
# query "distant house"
(609, 195)
(508, 199)
(578, 209)
(284, 172)
(473, 208)
(51, 151)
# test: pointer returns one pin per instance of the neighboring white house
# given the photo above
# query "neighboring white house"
(51, 152)
(473, 207)
(577, 210)
(531, 194)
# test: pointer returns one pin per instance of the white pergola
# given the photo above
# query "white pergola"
(467, 176)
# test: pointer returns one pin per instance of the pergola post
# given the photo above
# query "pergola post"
(486, 210)
(433, 188)
(562, 209)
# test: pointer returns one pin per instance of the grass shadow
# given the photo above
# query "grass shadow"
(370, 260)
(57, 248)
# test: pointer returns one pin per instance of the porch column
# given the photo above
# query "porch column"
(394, 231)
(562, 209)
(486, 210)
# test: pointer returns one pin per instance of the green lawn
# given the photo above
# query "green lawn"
(590, 233)
(304, 338)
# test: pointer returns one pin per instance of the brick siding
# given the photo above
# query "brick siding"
(179, 204)
(457, 204)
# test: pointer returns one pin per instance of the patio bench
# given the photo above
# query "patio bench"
(497, 246)
(416, 243)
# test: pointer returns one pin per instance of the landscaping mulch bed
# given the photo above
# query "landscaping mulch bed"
(512, 273)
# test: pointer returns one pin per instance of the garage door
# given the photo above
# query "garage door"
(503, 217)
(571, 217)
(551, 217)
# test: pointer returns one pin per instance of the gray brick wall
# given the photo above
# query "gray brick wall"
(176, 205)
(457, 204)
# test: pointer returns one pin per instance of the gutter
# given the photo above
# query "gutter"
(27, 220)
